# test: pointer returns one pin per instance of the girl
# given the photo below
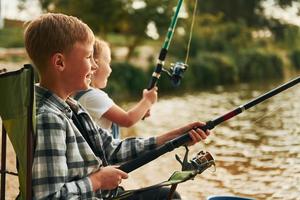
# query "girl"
(101, 107)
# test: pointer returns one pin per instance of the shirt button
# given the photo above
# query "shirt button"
(68, 110)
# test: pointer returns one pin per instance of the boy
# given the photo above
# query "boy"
(65, 165)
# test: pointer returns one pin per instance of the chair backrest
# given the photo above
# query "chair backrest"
(17, 111)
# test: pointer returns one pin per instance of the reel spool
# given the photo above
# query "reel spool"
(176, 72)
(201, 162)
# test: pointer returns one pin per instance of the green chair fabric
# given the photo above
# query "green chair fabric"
(17, 111)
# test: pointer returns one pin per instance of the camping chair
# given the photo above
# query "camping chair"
(17, 112)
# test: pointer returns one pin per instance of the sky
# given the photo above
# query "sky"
(288, 15)
(9, 9)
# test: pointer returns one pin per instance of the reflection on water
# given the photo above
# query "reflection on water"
(257, 153)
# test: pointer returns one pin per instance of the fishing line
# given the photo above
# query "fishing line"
(268, 113)
(265, 115)
(191, 32)
(213, 169)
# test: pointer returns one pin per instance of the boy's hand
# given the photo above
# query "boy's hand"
(107, 178)
(196, 134)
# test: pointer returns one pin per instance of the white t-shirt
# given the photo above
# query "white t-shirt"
(97, 102)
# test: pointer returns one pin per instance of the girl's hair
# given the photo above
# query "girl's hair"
(99, 46)
(51, 33)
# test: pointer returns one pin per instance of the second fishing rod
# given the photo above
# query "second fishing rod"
(181, 140)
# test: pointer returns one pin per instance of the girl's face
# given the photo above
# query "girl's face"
(101, 75)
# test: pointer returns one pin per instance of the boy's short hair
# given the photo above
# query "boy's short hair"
(52, 33)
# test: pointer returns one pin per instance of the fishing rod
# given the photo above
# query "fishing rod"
(176, 70)
(183, 139)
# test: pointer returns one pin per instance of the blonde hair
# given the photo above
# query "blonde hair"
(99, 46)
(52, 33)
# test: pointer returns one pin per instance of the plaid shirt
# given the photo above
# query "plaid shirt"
(63, 159)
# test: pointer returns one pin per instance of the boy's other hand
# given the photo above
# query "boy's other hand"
(196, 134)
(107, 178)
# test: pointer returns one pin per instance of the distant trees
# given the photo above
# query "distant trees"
(131, 18)
(249, 11)
(233, 40)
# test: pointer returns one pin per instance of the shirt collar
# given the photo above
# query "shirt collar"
(44, 95)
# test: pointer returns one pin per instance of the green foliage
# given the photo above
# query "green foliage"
(234, 10)
(126, 81)
(117, 16)
(295, 58)
(250, 11)
(224, 48)
(212, 69)
(11, 37)
(256, 64)
(224, 52)
(214, 35)
(286, 35)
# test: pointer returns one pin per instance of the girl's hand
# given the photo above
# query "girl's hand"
(150, 95)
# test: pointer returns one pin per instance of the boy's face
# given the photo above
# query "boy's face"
(101, 75)
(79, 64)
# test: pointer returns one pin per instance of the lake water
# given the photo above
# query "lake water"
(257, 153)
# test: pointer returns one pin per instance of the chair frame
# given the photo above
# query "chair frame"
(30, 134)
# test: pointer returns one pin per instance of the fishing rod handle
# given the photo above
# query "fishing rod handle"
(157, 71)
(185, 138)
(167, 147)
(145, 158)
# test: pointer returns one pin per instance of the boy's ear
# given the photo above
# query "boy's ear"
(57, 61)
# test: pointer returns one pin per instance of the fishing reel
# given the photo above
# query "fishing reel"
(176, 72)
(201, 162)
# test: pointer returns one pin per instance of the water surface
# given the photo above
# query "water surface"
(257, 153)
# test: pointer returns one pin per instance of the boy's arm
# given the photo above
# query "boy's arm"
(196, 135)
(50, 169)
(130, 148)
(118, 151)
(129, 118)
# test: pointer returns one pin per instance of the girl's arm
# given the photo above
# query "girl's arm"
(128, 118)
